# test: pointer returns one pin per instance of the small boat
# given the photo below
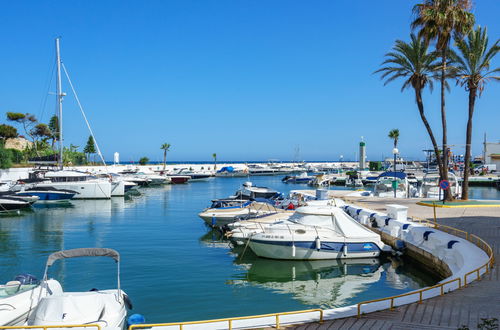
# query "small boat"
(8, 204)
(195, 176)
(106, 308)
(220, 217)
(48, 194)
(430, 186)
(353, 179)
(320, 180)
(231, 172)
(301, 178)
(18, 298)
(249, 191)
(179, 179)
(387, 181)
(316, 233)
(27, 198)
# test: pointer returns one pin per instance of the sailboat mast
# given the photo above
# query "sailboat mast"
(59, 103)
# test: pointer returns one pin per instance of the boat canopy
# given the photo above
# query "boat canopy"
(83, 252)
(399, 175)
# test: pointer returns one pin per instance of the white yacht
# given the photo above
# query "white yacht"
(317, 232)
(86, 185)
(104, 307)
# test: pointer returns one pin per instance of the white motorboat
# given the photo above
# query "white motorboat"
(9, 204)
(430, 186)
(388, 182)
(317, 232)
(195, 176)
(18, 298)
(106, 308)
(249, 191)
(353, 179)
(220, 217)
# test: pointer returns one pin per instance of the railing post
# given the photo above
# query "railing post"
(320, 316)
(277, 321)
(230, 325)
(420, 297)
(180, 326)
(442, 289)
(392, 303)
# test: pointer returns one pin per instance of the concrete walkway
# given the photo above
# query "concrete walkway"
(466, 306)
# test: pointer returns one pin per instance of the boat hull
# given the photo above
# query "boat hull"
(85, 189)
(49, 196)
(306, 250)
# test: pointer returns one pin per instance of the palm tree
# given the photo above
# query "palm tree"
(438, 21)
(413, 63)
(472, 70)
(214, 156)
(165, 147)
(394, 135)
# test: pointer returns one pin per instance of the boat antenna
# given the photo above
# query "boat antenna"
(84, 117)
(60, 96)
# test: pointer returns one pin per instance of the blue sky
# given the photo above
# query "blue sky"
(249, 80)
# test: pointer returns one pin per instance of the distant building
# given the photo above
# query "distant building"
(492, 153)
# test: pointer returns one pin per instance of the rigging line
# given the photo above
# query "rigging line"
(43, 103)
(84, 117)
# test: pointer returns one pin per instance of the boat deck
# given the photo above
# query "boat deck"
(466, 306)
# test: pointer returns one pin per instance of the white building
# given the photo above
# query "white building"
(492, 153)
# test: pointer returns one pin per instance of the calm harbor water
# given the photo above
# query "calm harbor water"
(174, 268)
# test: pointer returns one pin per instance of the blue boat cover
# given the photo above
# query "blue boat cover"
(399, 175)
(226, 169)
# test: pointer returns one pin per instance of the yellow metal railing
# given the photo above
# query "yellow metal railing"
(45, 327)
(230, 320)
(457, 232)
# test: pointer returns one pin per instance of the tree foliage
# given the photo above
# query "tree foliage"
(143, 160)
(394, 135)
(7, 132)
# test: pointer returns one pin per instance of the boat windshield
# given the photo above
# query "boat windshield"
(11, 289)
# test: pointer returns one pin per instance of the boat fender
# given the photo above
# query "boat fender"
(135, 319)
(451, 243)
(426, 234)
(358, 211)
(318, 243)
(372, 215)
(373, 222)
(293, 250)
(213, 221)
(399, 245)
(345, 250)
(405, 226)
(387, 220)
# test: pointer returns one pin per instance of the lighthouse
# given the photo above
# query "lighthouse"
(362, 154)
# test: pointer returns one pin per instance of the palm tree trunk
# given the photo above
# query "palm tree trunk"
(420, 104)
(468, 142)
(444, 174)
(164, 160)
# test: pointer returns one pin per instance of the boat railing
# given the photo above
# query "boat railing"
(59, 326)
(472, 275)
(231, 320)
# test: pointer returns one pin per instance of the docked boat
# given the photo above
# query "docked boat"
(353, 179)
(317, 232)
(87, 186)
(220, 217)
(321, 180)
(19, 297)
(48, 194)
(390, 182)
(27, 198)
(106, 308)
(195, 176)
(249, 191)
(231, 172)
(8, 204)
(301, 178)
(178, 179)
(430, 186)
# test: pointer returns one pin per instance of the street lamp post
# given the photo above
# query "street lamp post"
(395, 151)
